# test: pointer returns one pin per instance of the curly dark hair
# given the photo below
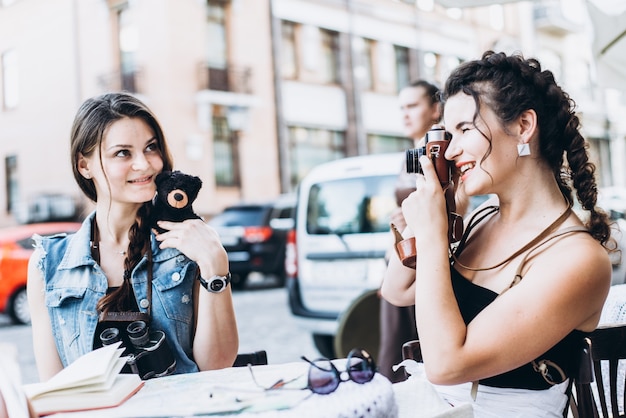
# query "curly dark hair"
(93, 118)
(510, 85)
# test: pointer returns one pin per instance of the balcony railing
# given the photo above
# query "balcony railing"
(232, 78)
(121, 81)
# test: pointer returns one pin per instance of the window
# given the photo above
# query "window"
(351, 206)
(10, 80)
(225, 150)
(288, 65)
(379, 144)
(430, 62)
(363, 69)
(330, 60)
(496, 16)
(129, 45)
(12, 185)
(311, 147)
(216, 31)
(437, 67)
(403, 77)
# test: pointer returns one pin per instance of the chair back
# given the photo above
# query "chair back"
(255, 358)
(608, 347)
(411, 350)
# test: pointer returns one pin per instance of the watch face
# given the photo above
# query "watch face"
(217, 284)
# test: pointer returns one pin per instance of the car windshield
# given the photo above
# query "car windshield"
(351, 206)
(240, 216)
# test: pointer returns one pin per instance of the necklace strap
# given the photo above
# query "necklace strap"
(525, 248)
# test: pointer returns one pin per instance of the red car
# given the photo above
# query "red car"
(16, 246)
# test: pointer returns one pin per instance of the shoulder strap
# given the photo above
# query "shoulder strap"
(557, 234)
(526, 247)
(476, 218)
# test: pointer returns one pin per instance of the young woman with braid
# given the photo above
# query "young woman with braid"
(502, 316)
(116, 263)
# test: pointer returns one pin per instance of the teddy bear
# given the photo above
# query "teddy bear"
(175, 194)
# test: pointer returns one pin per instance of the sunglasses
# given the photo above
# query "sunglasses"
(324, 378)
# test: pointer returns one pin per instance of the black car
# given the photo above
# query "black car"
(254, 236)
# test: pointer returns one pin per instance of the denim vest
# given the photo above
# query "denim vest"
(74, 283)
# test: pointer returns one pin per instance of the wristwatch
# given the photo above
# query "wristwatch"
(215, 284)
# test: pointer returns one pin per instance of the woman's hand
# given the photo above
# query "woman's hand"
(425, 209)
(198, 241)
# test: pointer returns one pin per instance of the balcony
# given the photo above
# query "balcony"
(549, 17)
(121, 81)
(230, 79)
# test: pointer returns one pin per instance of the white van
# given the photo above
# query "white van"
(341, 235)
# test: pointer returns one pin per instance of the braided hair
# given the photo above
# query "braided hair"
(90, 124)
(510, 85)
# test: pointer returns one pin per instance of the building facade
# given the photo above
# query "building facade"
(253, 93)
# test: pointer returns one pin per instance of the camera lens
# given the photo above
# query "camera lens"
(138, 333)
(110, 336)
(412, 160)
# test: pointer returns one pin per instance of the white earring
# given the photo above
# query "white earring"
(523, 150)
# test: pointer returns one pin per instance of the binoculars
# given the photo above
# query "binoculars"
(147, 353)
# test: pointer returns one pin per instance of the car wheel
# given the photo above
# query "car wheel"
(238, 281)
(325, 344)
(18, 307)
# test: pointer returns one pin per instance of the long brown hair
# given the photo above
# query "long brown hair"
(93, 118)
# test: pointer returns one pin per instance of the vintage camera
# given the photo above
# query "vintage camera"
(437, 141)
(147, 353)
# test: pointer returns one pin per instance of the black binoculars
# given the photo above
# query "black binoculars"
(147, 353)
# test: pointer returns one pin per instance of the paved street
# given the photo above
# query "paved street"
(263, 316)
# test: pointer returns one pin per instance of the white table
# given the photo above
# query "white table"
(186, 395)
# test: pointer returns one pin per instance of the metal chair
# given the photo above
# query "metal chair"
(608, 347)
(255, 358)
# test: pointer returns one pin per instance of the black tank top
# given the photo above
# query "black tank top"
(472, 299)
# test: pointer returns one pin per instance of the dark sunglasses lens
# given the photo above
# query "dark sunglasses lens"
(360, 367)
(322, 377)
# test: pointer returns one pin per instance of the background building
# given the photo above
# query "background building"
(253, 93)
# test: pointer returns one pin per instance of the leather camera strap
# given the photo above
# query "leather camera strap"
(405, 248)
(543, 234)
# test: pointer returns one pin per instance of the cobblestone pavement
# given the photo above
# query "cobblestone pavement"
(263, 318)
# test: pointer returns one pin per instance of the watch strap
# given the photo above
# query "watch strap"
(215, 284)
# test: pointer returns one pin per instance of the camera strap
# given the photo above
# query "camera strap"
(134, 316)
(129, 316)
(405, 248)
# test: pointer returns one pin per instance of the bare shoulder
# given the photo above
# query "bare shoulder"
(575, 270)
